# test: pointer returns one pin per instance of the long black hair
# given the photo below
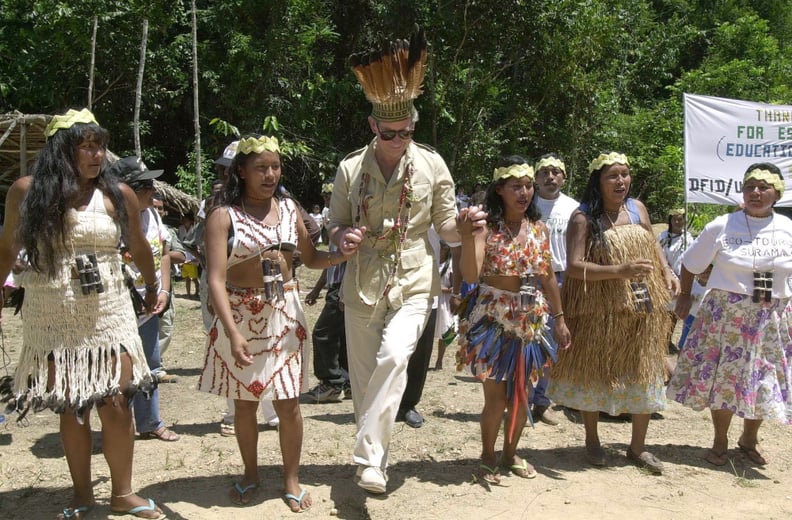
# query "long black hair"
(234, 187)
(43, 227)
(494, 202)
(591, 203)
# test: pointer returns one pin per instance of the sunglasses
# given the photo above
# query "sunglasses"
(390, 135)
(142, 185)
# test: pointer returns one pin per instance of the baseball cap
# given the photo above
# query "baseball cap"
(133, 169)
(228, 155)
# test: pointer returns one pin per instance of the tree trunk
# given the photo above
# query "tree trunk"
(196, 115)
(139, 87)
(93, 63)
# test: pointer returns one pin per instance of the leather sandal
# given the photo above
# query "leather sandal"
(162, 433)
(646, 460)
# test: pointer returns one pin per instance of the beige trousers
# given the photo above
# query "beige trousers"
(379, 346)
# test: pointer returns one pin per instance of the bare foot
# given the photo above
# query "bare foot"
(716, 458)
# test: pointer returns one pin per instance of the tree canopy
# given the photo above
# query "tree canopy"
(522, 76)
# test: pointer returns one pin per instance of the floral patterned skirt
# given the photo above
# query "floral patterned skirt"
(275, 332)
(738, 357)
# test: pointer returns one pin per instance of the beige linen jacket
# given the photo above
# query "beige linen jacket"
(432, 202)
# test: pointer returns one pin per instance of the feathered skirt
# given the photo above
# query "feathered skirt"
(499, 342)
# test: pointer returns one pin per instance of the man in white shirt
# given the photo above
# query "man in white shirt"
(556, 209)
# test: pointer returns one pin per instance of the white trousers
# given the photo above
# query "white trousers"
(379, 347)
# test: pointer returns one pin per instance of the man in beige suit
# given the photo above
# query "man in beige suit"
(385, 198)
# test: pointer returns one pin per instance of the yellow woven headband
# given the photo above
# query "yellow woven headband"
(676, 212)
(515, 170)
(767, 176)
(327, 187)
(67, 120)
(606, 159)
(258, 145)
(551, 162)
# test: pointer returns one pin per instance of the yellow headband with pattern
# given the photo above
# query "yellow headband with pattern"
(551, 162)
(515, 170)
(258, 145)
(606, 159)
(327, 187)
(67, 120)
(676, 212)
(767, 176)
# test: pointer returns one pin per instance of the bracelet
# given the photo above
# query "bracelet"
(456, 295)
(558, 315)
(163, 291)
(152, 287)
(682, 293)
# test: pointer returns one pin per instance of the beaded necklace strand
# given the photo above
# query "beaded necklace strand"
(397, 234)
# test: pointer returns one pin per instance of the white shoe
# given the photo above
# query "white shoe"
(372, 479)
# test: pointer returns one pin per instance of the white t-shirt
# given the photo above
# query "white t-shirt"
(738, 245)
(556, 213)
(674, 248)
(156, 235)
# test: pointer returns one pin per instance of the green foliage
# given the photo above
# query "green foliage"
(188, 178)
(529, 76)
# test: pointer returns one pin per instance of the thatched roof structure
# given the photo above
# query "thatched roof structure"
(21, 138)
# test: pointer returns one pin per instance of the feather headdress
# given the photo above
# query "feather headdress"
(393, 76)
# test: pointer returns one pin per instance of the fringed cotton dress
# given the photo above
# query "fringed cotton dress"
(83, 335)
(615, 362)
(274, 329)
(497, 341)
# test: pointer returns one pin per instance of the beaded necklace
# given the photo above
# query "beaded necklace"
(397, 234)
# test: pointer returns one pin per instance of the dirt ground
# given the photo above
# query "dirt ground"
(431, 472)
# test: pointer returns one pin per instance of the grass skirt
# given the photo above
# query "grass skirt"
(616, 359)
(738, 357)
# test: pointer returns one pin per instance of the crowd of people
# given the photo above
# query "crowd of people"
(550, 299)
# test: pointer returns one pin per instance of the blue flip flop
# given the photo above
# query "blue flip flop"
(139, 509)
(299, 500)
(242, 492)
(72, 512)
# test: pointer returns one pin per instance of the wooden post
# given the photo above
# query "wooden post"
(23, 148)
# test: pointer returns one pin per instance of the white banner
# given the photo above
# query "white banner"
(725, 136)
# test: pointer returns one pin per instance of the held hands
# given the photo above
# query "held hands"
(350, 240)
(471, 220)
